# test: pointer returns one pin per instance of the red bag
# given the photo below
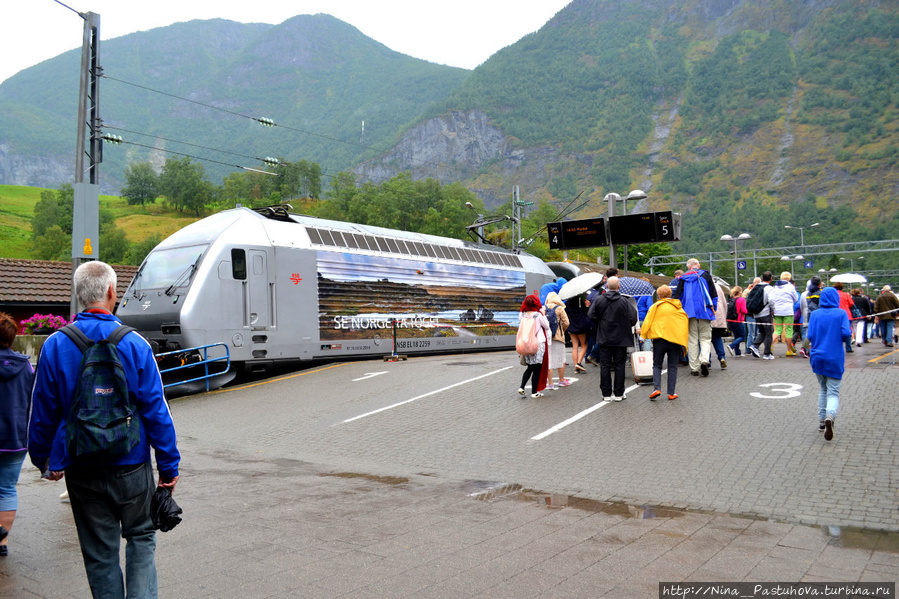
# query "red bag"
(526, 338)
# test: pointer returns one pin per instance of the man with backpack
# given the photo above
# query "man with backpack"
(699, 298)
(759, 304)
(95, 414)
(809, 301)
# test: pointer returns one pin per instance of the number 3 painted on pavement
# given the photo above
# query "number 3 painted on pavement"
(784, 390)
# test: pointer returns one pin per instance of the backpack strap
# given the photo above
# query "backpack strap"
(84, 342)
(77, 336)
(116, 335)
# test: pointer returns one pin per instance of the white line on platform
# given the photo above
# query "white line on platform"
(477, 378)
(578, 416)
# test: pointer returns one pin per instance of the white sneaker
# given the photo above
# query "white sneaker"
(607, 399)
(620, 398)
(521, 391)
(768, 357)
(537, 394)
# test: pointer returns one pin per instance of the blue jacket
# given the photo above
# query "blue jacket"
(828, 330)
(644, 302)
(16, 378)
(54, 388)
(695, 293)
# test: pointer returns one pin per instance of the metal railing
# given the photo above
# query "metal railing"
(204, 362)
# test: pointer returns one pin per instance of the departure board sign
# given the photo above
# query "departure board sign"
(574, 234)
(647, 227)
(632, 228)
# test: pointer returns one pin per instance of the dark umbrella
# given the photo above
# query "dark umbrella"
(164, 510)
(634, 287)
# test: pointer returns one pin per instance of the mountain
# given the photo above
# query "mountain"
(317, 77)
(741, 113)
(745, 115)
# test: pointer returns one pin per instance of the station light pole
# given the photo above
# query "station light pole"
(735, 240)
(802, 232)
(612, 198)
(852, 262)
(792, 261)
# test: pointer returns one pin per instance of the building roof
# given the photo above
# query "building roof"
(45, 281)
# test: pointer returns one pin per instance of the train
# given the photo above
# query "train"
(276, 287)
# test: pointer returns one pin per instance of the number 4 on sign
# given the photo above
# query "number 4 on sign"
(782, 391)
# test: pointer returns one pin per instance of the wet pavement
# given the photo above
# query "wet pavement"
(433, 478)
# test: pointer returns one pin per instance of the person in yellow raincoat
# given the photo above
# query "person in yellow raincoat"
(666, 325)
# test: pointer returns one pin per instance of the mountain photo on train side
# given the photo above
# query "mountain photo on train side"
(742, 115)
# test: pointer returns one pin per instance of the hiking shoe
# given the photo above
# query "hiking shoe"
(723, 363)
(654, 395)
(754, 351)
(803, 353)
(704, 369)
(672, 396)
(730, 350)
(828, 429)
(521, 391)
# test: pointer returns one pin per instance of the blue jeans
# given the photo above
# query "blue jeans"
(10, 467)
(739, 331)
(828, 397)
(110, 503)
(750, 329)
(886, 330)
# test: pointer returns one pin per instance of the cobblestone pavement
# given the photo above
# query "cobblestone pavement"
(433, 478)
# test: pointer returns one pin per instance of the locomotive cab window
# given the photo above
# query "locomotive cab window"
(239, 264)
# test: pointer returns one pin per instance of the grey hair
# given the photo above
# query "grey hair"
(613, 283)
(92, 279)
(691, 263)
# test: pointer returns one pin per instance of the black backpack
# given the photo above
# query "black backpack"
(101, 421)
(732, 310)
(755, 301)
(553, 321)
(813, 301)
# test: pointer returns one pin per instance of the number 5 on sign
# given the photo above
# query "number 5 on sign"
(782, 391)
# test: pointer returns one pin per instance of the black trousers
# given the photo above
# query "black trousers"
(612, 359)
(765, 334)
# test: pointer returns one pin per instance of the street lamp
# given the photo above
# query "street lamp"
(802, 232)
(827, 273)
(791, 260)
(735, 240)
(611, 198)
(852, 262)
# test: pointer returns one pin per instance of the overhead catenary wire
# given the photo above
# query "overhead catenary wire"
(80, 14)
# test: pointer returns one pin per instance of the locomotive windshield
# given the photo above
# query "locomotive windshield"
(168, 268)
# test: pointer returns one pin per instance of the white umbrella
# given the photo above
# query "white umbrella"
(580, 284)
(848, 277)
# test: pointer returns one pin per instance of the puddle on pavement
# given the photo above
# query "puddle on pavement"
(387, 480)
(492, 490)
(862, 538)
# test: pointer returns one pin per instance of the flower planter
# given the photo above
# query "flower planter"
(43, 331)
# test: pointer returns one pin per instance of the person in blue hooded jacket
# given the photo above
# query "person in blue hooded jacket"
(109, 495)
(16, 379)
(828, 331)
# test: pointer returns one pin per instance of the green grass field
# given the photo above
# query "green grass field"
(139, 222)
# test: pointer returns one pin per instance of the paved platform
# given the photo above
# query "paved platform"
(433, 478)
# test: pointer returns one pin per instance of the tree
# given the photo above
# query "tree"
(54, 244)
(141, 184)
(54, 209)
(113, 244)
(184, 185)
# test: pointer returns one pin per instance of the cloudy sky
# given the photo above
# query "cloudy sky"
(461, 33)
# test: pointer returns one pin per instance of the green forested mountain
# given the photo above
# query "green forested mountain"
(317, 77)
(745, 115)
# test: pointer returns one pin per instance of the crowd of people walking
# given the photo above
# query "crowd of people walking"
(688, 322)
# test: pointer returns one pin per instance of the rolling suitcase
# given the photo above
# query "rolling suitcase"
(641, 366)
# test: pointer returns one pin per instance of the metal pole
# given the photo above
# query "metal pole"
(613, 253)
(735, 263)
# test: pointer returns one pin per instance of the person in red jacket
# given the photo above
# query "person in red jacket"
(846, 304)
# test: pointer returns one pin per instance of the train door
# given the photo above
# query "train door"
(259, 292)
